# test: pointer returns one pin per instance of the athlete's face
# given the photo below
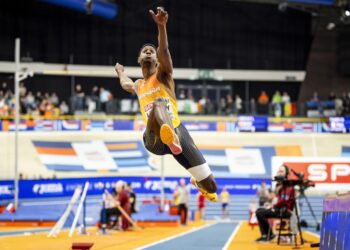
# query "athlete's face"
(147, 55)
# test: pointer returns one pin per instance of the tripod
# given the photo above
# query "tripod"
(297, 215)
(303, 196)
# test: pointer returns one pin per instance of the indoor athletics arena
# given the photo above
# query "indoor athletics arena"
(196, 125)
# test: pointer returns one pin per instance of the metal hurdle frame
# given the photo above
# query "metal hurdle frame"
(81, 204)
(60, 223)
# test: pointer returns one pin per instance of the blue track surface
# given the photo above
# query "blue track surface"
(213, 237)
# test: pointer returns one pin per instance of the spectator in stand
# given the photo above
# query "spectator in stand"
(332, 96)
(38, 98)
(277, 98)
(276, 102)
(22, 89)
(78, 98)
(285, 98)
(222, 106)
(315, 97)
(346, 103)
(339, 107)
(64, 109)
(263, 102)
(182, 95)
(104, 98)
(252, 106)
(238, 104)
(54, 99)
(230, 105)
(204, 103)
(29, 102)
(4, 87)
(93, 100)
(263, 98)
(3, 105)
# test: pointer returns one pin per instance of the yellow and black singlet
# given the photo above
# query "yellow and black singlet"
(148, 91)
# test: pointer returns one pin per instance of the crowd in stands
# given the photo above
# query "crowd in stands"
(100, 99)
(38, 104)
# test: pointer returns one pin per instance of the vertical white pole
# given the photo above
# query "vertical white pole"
(162, 195)
(17, 62)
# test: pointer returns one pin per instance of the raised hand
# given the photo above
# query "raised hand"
(119, 68)
(161, 18)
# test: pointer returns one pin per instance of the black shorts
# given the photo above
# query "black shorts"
(190, 156)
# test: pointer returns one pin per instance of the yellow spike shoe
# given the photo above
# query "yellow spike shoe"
(168, 137)
(213, 197)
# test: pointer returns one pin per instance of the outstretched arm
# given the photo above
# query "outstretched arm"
(161, 18)
(126, 83)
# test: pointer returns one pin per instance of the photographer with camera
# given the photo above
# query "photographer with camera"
(283, 208)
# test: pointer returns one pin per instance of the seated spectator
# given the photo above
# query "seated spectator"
(29, 102)
(54, 99)
(119, 197)
(64, 109)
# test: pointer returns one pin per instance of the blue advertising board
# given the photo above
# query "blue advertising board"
(149, 185)
(253, 123)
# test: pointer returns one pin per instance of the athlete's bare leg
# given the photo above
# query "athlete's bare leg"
(160, 123)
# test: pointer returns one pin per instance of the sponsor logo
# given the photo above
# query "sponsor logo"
(152, 91)
(323, 172)
(156, 185)
(52, 188)
(6, 190)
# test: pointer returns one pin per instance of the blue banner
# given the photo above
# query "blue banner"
(150, 185)
(253, 123)
(200, 126)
